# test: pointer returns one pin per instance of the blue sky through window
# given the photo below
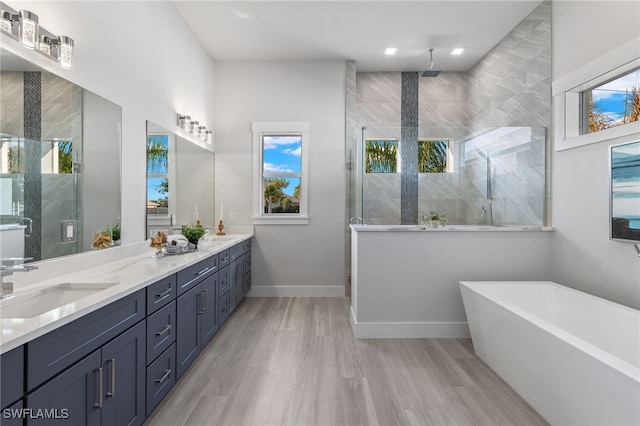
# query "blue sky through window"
(609, 99)
(282, 154)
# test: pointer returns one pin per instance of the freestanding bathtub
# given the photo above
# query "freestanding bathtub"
(575, 358)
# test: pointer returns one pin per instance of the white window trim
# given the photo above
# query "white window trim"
(566, 98)
(258, 128)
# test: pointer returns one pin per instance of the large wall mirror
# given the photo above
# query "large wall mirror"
(180, 175)
(59, 164)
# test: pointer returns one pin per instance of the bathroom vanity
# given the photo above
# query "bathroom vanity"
(111, 356)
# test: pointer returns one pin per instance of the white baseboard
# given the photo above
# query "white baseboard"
(296, 291)
(389, 330)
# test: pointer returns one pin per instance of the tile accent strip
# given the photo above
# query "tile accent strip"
(409, 149)
(32, 162)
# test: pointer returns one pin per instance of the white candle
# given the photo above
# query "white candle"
(195, 212)
(221, 211)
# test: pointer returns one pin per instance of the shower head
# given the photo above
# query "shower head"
(431, 72)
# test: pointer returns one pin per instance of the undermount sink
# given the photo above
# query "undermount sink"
(30, 304)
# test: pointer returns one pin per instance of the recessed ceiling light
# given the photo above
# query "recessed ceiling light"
(457, 51)
(390, 51)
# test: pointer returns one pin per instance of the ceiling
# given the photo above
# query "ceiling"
(354, 30)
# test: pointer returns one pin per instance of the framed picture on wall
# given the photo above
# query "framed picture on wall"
(625, 191)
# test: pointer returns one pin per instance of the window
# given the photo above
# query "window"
(611, 104)
(434, 156)
(592, 98)
(158, 174)
(381, 156)
(280, 172)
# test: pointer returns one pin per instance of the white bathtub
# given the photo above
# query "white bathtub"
(575, 358)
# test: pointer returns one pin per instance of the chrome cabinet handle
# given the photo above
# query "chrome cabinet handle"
(164, 377)
(204, 300)
(112, 393)
(202, 271)
(164, 330)
(99, 403)
(164, 293)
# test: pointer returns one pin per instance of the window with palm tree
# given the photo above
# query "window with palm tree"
(381, 156)
(157, 174)
(433, 156)
(281, 172)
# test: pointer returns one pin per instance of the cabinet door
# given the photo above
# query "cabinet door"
(13, 417)
(209, 312)
(188, 333)
(236, 291)
(123, 364)
(11, 376)
(75, 394)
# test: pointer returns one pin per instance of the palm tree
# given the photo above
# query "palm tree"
(381, 156)
(432, 156)
(273, 191)
(157, 154)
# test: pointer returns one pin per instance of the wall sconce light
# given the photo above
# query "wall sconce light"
(29, 29)
(184, 122)
(9, 19)
(24, 27)
(66, 51)
(194, 128)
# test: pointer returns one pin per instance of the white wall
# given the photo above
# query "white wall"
(583, 255)
(287, 259)
(141, 56)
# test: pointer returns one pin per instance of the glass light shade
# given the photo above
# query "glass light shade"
(45, 44)
(66, 52)
(5, 22)
(28, 29)
(195, 128)
(209, 137)
(202, 134)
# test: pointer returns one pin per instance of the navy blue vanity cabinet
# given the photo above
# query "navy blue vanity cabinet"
(106, 387)
(197, 321)
(12, 417)
(161, 331)
(224, 283)
(75, 394)
(53, 352)
(160, 293)
(240, 265)
(194, 274)
(11, 377)
(161, 376)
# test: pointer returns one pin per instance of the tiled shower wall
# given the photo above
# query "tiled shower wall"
(510, 86)
(41, 106)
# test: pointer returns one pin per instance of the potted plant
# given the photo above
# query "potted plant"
(115, 232)
(193, 233)
(435, 219)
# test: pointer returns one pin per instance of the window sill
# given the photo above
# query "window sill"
(624, 133)
(281, 220)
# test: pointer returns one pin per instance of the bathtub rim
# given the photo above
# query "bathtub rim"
(624, 367)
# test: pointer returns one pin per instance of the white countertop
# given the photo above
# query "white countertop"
(448, 228)
(128, 273)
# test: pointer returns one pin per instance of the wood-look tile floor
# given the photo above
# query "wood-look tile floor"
(295, 361)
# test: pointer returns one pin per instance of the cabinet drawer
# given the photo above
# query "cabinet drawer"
(49, 354)
(223, 258)
(161, 331)
(161, 293)
(12, 374)
(223, 308)
(194, 274)
(246, 245)
(161, 376)
(236, 251)
(223, 281)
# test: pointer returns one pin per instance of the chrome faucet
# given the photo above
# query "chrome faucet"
(9, 266)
